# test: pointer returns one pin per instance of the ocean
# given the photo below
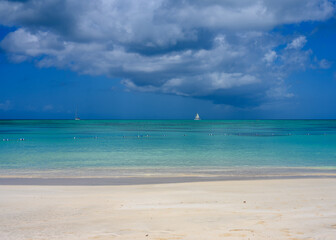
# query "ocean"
(130, 147)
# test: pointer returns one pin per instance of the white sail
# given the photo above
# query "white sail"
(76, 116)
(197, 117)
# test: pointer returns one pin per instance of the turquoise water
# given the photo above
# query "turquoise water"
(85, 144)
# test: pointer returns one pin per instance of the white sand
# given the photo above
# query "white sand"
(274, 209)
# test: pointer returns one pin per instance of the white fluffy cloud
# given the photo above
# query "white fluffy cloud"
(297, 43)
(270, 57)
(217, 50)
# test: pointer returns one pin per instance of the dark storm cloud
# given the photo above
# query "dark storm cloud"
(222, 51)
(242, 97)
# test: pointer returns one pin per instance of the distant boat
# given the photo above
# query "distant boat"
(197, 117)
(76, 116)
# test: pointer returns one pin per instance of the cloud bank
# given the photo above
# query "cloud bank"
(223, 51)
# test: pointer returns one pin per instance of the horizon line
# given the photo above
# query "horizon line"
(167, 119)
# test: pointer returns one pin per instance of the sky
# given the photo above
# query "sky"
(160, 59)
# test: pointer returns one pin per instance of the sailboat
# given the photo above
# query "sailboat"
(76, 116)
(197, 117)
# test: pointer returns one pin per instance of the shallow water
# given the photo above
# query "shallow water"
(88, 145)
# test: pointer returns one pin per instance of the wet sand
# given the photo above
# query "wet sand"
(246, 209)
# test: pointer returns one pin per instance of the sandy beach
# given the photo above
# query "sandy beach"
(254, 209)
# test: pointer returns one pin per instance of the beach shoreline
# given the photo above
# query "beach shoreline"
(159, 171)
(132, 176)
(116, 181)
